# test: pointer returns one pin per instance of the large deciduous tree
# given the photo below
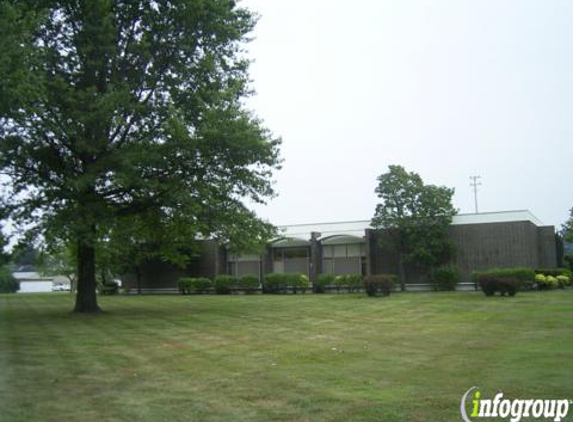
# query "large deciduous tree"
(567, 237)
(416, 217)
(111, 110)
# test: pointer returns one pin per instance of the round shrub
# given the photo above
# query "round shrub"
(380, 283)
(552, 282)
(322, 282)
(353, 281)
(189, 285)
(563, 281)
(492, 283)
(249, 284)
(445, 278)
(224, 284)
(339, 282)
(524, 276)
(283, 282)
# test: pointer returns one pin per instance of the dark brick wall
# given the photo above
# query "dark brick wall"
(478, 247)
(483, 246)
(547, 246)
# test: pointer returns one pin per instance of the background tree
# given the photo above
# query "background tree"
(24, 254)
(59, 260)
(416, 217)
(8, 284)
(566, 233)
(115, 109)
(4, 255)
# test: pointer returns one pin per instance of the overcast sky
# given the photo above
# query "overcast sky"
(447, 89)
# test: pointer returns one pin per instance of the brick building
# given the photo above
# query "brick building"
(485, 240)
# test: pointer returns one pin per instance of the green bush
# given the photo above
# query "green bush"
(492, 283)
(383, 283)
(525, 276)
(555, 272)
(8, 284)
(446, 277)
(546, 282)
(224, 284)
(563, 281)
(560, 277)
(353, 281)
(322, 281)
(348, 281)
(188, 285)
(302, 284)
(274, 283)
(339, 282)
(249, 284)
(283, 282)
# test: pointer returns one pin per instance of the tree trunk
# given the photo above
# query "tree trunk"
(86, 300)
(402, 272)
(138, 278)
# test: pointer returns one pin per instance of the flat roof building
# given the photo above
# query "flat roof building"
(482, 241)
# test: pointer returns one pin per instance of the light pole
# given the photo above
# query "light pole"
(474, 184)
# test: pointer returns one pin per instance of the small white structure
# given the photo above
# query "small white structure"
(32, 282)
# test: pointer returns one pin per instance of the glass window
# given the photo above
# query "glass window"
(340, 251)
(277, 254)
(354, 249)
(251, 268)
(327, 266)
(278, 267)
(290, 253)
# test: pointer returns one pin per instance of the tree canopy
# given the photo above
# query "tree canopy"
(118, 110)
(567, 229)
(567, 235)
(416, 215)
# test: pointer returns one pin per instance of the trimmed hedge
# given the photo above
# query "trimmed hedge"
(445, 278)
(351, 282)
(224, 284)
(8, 283)
(383, 283)
(188, 285)
(490, 284)
(555, 272)
(525, 276)
(249, 284)
(551, 278)
(563, 281)
(322, 281)
(282, 283)
(548, 282)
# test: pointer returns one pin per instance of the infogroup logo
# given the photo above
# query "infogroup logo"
(515, 410)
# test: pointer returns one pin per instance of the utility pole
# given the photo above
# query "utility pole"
(474, 184)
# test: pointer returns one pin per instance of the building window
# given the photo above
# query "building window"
(344, 259)
(243, 265)
(291, 260)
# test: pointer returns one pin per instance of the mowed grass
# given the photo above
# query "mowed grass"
(408, 357)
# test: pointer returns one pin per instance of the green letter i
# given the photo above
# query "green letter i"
(477, 396)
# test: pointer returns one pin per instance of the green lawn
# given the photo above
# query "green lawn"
(347, 357)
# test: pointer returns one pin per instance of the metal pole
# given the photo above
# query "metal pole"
(474, 183)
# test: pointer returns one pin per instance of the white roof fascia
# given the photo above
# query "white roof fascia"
(357, 228)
